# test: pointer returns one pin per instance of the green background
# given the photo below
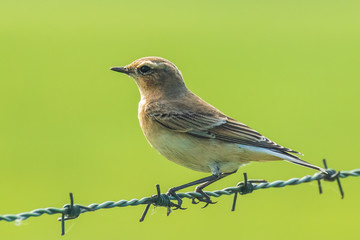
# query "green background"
(289, 69)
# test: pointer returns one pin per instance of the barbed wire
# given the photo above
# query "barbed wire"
(72, 211)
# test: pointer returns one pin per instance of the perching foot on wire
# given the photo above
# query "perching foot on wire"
(163, 200)
(203, 183)
(172, 193)
(210, 180)
(204, 198)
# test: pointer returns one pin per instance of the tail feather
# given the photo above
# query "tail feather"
(306, 164)
(296, 160)
(283, 154)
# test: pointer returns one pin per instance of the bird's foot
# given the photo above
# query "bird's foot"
(172, 193)
(204, 198)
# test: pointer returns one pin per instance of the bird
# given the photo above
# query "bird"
(190, 132)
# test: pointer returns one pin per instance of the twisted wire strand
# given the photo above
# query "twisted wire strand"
(159, 201)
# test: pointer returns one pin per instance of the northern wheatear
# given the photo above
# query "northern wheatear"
(187, 130)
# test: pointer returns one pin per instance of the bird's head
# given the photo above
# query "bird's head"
(154, 76)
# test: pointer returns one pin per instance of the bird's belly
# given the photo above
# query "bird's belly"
(204, 155)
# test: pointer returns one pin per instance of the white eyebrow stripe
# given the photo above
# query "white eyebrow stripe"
(153, 64)
(148, 63)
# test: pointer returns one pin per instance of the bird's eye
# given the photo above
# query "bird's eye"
(144, 69)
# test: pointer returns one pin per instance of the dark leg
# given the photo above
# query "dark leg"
(204, 183)
(172, 191)
(200, 188)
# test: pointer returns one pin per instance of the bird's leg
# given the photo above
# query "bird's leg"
(199, 189)
(172, 191)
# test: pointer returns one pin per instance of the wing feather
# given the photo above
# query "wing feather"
(213, 125)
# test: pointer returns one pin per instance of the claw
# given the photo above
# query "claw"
(177, 207)
(193, 201)
(173, 193)
(204, 198)
(168, 211)
(207, 203)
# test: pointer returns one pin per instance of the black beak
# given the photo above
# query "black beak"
(120, 69)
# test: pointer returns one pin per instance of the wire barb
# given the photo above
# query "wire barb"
(159, 199)
(331, 176)
(245, 187)
(71, 211)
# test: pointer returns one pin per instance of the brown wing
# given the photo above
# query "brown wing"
(212, 125)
